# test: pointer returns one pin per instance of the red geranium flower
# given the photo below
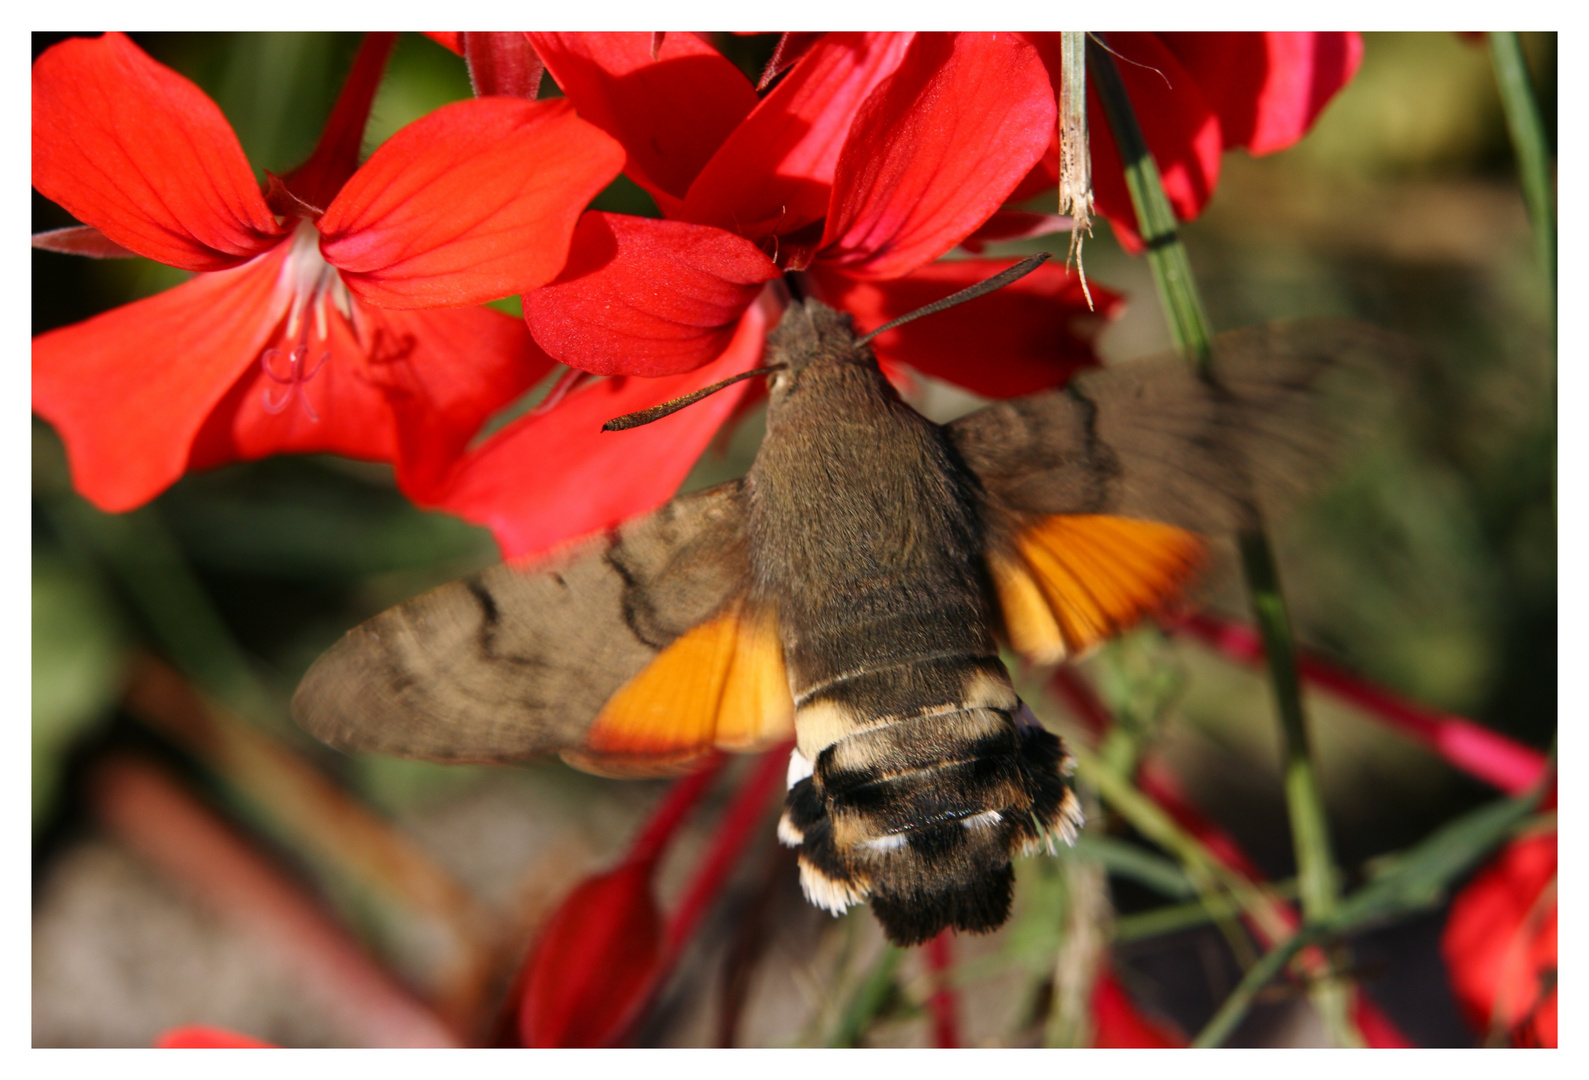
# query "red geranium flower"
(334, 313)
(1500, 944)
(1197, 95)
(875, 155)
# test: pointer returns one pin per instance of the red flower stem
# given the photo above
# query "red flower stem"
(673, 809)
(944, 1004)
(336, 155)
(1481, 753)
(736, 829)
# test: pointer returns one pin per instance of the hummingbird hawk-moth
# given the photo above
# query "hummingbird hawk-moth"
(853, 590)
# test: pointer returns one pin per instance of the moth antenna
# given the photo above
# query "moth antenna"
(981, 288)
(657, 412)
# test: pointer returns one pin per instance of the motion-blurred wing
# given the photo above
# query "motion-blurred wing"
(1151, 439)
(632, 652)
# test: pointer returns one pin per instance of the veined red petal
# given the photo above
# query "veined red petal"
(671, 114)
(472, 203)
(550, 477)
(409, 387)
(1268, 88)
(1032, 334)
(129, 389)
(641, 296)
(1181, 129)
(934, 151)
(140, 153)
(775, 172)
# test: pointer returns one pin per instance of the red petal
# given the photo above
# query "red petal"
(547, 478)
(1500, 943)
(129, 389)
(472, 203)
(1267, 88)
(412, 388)
(336, 156)
(935, 150)
(670, 114)
(198, 1037)
(593, 961)
(1180, 127)
(451, 40)
(774, 174)
(1044, 175)
(646, 297)
(140, 153)
(1029, 335)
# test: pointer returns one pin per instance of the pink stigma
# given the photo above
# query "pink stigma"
(293, 380)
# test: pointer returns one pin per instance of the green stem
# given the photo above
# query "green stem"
(869, 999)
(1190, 328)
(1234, 1007)
(1172, 270)
(1527, 128)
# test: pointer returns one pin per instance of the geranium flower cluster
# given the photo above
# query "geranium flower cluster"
(337, 309)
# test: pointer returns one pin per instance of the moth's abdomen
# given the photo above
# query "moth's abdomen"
(917, 806)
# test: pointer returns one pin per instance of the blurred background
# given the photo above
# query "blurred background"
(198, 860)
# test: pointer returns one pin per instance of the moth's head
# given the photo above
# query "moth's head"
(951, 871)
(811, 334)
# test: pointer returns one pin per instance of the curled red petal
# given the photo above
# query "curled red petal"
(548, 478)
(1181, 128)
(641, 296)
(1268, 88)
(935, 150)
(1032, 334)
(670, 113)
(471, 203)
(199, 1037)
(129, 389)
(408, 387)
(774, 174)
(1499, 943)
(140, 153)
